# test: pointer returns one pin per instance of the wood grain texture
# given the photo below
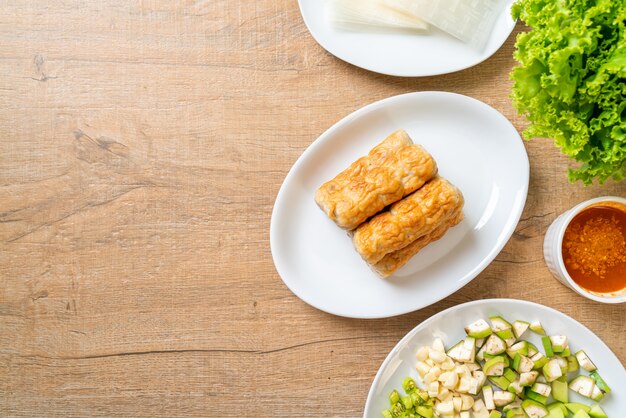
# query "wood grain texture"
(142, 144)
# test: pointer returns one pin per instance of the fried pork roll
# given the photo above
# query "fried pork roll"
(416, 215)
(393, 261)
(393, 169)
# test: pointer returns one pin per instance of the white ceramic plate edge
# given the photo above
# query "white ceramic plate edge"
(486, 56)
(508, 232)
(424, 324)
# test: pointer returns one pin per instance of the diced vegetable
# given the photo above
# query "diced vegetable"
(539, 360)
(500, 381)
(537, 328)
(559, 343)
(494, 345)
(600, 383)
(542, 389)
(394, 397)
(547, 346)
(581, 414)
(515, 413)
(597, 412)
(494, 366)
(584, 361)
(597, 394)
(559, 391)
(478, 329)
(575, 407)
(555, 413)
(534, 409)
(510, 374)
(488, 397)
(528, 378)
(409, 385)
(424, 411)
(572, 364)
(501, 398)
(519, 347)
(495, 414)
(558, 405)
(522, 364)
(507, 336)
(532, 350)
(536, 397)
(498, 323)
(582, 385)
(516, 387)
(552, 370)
(519, 328)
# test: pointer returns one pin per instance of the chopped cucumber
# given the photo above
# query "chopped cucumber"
(562, 364)
(500, 381)
(555, 413)
(566, 352)
(528, 378)
(597, 394)
(519, 328)
(494, 366)
(572, 364)
(542, 389)
(581, 414)
(547, 346)
(537, 328)
(510, 374)
(387, 414)
(575, 407)
(516, 404)
(488, 397)
(515, 413)
(534, 409)
(502, 398)
(519, 347)
(584, 361)
(478, 329)
(464, 351)
(515, 387)
(597, 412)
(582, 385)
(498, 323)
(494, 345)
(507, 336)
(559, 391)
(536, 397)
(552, 370)
(600, 383)
(495, 414)
(539, 360)
(522, 364)
(532, 349)
(407, 402)
(558, 405)
(559, 343)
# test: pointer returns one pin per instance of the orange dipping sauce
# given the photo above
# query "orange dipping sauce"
(594, 248)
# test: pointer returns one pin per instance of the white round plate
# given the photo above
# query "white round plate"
(402, 54)
(448, 325)
(475, 147)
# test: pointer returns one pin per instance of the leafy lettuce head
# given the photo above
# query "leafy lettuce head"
(571, 81)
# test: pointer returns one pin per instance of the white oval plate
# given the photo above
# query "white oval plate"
(475, 147)
(400, 54)
(448, 325)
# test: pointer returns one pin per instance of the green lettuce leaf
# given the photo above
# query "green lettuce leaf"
(571, 81)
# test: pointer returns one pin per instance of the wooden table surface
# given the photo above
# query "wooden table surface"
(142, 144)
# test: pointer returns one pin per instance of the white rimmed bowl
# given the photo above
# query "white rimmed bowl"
(449, 326)
(552, 251)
